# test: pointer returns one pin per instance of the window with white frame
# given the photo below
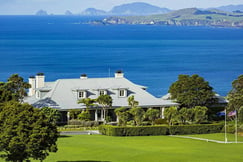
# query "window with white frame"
(122, 93)
(82, 94)
(102, 92)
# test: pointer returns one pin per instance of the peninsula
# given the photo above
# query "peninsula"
(183, 17)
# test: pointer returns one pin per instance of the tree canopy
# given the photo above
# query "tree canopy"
(191, 91)
(235, 96)
(13, 89)
(25, 132)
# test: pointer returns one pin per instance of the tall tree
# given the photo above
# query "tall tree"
(14, 89)
(191, 91)
(25, 132)
(5, 94)
(235, 96)
(106, 102)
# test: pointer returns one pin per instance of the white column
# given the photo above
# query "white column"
(162, 112)
(101, 115)
(68, 116)
(96, 115)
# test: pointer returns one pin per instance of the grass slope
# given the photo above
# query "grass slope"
(144, 149)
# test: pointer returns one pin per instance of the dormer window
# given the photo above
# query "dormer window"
(82, 94)
(122, 93)
(102, 92)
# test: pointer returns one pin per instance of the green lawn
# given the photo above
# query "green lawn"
(81, 148)
(143, 149)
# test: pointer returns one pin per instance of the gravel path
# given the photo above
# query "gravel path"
(203, 139)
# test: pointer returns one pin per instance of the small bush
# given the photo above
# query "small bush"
(160, 121)
(79, 123)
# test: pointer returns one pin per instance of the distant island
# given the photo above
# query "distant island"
(183, 17)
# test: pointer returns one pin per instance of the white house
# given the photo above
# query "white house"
(63, 94)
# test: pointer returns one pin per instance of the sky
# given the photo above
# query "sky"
(30, 7)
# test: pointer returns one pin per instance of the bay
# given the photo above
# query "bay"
(154, 56)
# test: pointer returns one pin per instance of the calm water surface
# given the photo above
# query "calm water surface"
(65, 47)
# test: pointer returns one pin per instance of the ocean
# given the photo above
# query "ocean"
(149, 55)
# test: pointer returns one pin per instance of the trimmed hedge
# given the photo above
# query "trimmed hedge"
(160, 130)
(195, 129)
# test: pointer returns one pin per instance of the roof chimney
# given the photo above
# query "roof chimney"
(40, 80)
(119, 74)
(32, 84)
(83, 76)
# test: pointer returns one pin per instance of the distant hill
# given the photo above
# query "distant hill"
(41, 13)
(137, 8)
(231, 8)
(93, 12)
(183, 17)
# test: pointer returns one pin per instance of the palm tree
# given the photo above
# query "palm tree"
(152, 114)
(171, 115)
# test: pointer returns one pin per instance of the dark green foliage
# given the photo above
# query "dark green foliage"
(13, 89)
(235, 96)
(133, 131)
(160, 130)
(195, 129)
(160, 121)
(191, 91)
(52, 114)
(25, 132)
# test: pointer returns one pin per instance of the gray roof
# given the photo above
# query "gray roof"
(63, 93)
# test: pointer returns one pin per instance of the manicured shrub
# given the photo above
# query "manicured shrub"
(195, 129)
(133, 131)
(160, 130)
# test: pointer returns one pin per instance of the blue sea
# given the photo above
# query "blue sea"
(153, 56)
